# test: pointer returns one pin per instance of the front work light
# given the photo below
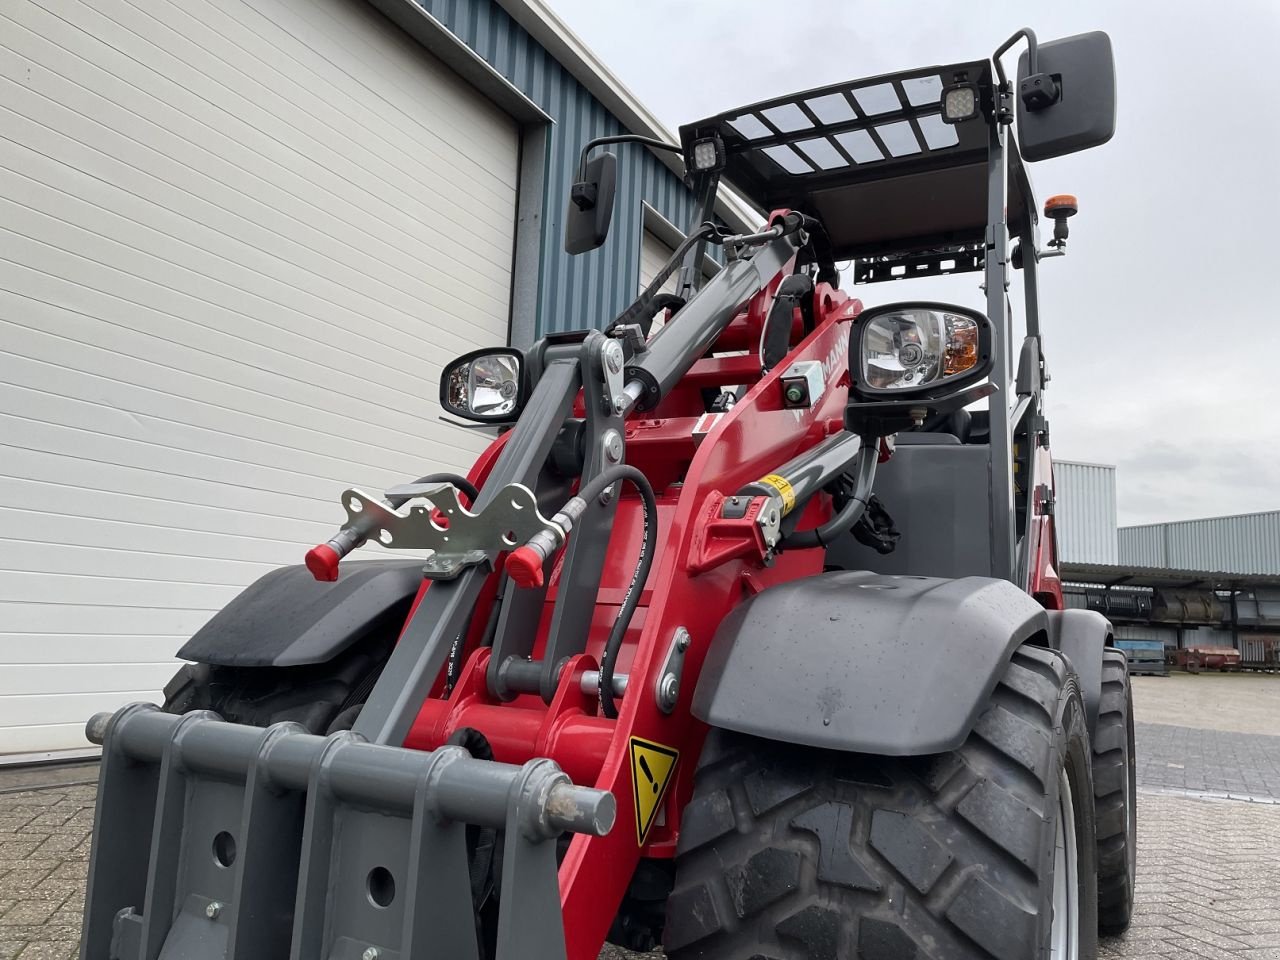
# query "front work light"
(906, 349)
(487, 386)
(708, 154)
(959, 102)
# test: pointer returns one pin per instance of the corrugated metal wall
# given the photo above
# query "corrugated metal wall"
(1085, 512)
(1243, 544)
(1166, 635)
(589, 289)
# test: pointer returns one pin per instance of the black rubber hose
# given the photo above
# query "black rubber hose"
(864, 467)
(823, 535)
(590, 492)
(459, 481)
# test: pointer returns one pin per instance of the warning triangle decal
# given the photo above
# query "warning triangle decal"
(651, 768)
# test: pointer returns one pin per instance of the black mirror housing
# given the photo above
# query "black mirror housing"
(1070, 103)
(586, 222)
(486, 386)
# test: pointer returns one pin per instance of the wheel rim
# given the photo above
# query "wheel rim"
(1064, 941)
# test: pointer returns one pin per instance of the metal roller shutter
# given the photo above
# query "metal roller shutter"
(237, 241)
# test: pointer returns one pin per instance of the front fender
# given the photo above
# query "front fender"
(287, 619)
(862, 662)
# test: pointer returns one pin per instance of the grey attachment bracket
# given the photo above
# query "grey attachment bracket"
(668, 689)
(769, 520)
(218, 841)
(612, 364)
(510, 518)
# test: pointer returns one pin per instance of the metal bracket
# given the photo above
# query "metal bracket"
(612, 364)
(769, 520)
(667, 692)
(511, 518)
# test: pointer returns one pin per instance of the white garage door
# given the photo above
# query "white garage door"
(237, 241)
(654, 254)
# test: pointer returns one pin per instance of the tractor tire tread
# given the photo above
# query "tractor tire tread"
(313, 695)
(1111, 768)
(792, 853)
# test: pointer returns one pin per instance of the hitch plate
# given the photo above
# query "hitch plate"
(510, 519)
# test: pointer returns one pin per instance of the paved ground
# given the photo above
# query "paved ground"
(1232, 702)
(1209, 868)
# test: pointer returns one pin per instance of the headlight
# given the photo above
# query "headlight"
(909, 348)
(485, 385)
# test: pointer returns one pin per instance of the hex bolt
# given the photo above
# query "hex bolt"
(794, 395)
(682, 642)
(213, 909)
(619, 406)
(613, 446)
(370, 954)
(613, 357)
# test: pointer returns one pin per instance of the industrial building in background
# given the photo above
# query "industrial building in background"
(1202, 593)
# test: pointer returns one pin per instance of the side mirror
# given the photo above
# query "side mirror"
(1069, 104)
(487, 386)
(586, 224)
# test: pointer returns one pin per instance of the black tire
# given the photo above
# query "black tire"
(1115, 796)
(791, 853)
(322, 697)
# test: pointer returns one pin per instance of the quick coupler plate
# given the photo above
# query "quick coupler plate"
(215, 840)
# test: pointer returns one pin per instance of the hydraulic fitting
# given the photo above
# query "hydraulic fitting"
(525, 563)
(322, 560)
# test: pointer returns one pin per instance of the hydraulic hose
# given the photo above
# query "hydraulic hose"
(864, 467)
(589, 492)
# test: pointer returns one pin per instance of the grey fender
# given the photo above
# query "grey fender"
(864, 662)
(286, 619)
(1081, 636)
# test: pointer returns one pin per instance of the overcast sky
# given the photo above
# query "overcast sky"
(1161, 327)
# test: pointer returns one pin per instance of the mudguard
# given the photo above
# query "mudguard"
(286, 618)
(863, 662)
(1081, 636)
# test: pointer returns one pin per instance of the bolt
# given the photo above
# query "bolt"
(370, 954)
(213, 909)
(682, 641)
(917, 415)
(613, 356)
(795, 395)
(619, 406)
(613, 446)
(670, 689)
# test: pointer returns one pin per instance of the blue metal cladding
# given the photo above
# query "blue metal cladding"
(590, 289)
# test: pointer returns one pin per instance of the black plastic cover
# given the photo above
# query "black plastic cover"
(1081, 636)
(1084, 115)
(586, 222)
(862, 662)
(286, 618)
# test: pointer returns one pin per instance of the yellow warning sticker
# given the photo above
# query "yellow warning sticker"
(651, 768)
(784, 489)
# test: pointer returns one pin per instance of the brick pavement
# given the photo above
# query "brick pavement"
(1211, 761)
(44, 851)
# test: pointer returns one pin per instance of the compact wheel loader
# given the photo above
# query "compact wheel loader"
(744, 637)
